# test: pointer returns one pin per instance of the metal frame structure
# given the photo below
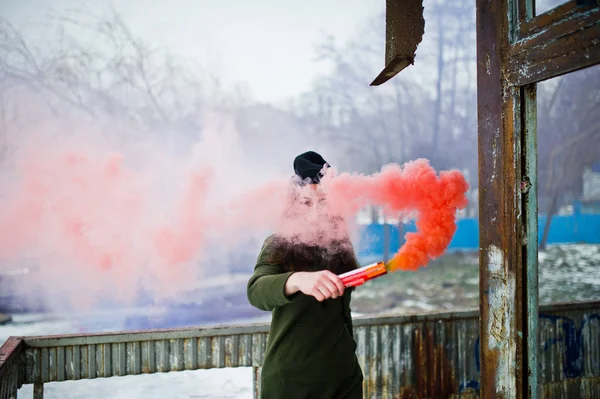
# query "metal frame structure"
(515, 50)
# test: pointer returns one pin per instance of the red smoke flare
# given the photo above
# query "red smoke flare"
(414, 187)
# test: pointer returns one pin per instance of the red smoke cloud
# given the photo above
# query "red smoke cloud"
(414, 187)
(100, 222)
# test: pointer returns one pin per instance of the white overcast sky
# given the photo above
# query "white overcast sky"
(267, 44)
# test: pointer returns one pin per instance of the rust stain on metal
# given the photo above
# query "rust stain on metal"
(435, 376)
(370, 382)
(428, 373)
(501, 264)
(582, 388)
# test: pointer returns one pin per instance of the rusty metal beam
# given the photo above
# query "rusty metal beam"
(504, 283)
(560, 41)
(404, 28)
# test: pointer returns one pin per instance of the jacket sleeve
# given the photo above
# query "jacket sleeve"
(266, 287)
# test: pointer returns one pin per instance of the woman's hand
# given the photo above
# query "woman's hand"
(322, 284)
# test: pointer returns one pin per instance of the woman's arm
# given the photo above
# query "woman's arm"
(267, 287)
(270, 286)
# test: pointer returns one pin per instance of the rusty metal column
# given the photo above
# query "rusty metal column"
(256, 372)
(38, 390)
(508, 287)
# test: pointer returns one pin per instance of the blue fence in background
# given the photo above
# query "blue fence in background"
(572, 229)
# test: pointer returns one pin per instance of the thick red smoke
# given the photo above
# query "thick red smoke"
(96, 220)
(414, 187)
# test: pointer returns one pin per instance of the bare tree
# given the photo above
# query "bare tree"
(405, 118)
(342, 108)
(569, 138)
(97, 66)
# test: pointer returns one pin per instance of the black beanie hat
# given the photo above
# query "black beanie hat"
(309, 166)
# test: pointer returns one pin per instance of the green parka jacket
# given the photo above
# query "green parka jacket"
(311, 352)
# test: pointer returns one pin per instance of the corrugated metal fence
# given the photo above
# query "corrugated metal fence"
(425, 356)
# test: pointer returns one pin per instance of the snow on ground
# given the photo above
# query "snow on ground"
(567, 273)
(204, 384)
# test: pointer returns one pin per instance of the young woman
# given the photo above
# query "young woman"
(311, 350)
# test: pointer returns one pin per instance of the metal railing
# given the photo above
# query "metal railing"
(423, 356)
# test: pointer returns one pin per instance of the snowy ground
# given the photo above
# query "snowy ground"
(205, 384)
(567, 273)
